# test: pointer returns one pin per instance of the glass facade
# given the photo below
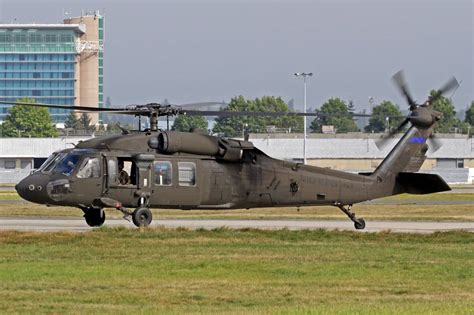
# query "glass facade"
(38, 64)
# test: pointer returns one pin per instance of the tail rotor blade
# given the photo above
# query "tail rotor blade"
(434, 143)
(400, 82)
(382, 142)
(450, 85)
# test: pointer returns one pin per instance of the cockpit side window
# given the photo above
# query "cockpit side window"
(90, 168)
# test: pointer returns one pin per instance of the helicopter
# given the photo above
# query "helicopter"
(152, 168)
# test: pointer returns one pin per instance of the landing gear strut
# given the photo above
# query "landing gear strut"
(141, 216)
(95, 217)
(359, 223)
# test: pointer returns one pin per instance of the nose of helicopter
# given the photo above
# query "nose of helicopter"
(33, 188)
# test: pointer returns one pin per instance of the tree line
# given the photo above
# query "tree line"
(24, 121)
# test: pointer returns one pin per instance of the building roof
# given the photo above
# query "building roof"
(287, 149)
(357, 148)
(35, 147)
(80, 28)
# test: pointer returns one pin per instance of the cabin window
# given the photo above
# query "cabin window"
(90, 168)
(127, 171)
(187, 173)
(163, 173)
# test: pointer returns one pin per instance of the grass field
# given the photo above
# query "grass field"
(247, 271)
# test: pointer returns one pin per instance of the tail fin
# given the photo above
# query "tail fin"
(406, 154)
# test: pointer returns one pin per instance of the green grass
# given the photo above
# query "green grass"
(246, 271)
(445, 197)
(9, 195)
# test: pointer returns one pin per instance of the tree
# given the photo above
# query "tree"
(28, 121)
(378, 122)
(470, 115)
(186, 123)
(85, 122)
(71, 121)
(449, 121)
(234, 126)
(342, 122)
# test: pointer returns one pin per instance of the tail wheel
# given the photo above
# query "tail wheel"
(142, 217)
(359, 224)
(94, 217)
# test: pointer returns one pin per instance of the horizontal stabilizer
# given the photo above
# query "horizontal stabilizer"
(420, 183)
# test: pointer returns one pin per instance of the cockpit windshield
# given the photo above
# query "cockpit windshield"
(64, 162)
(48, 162)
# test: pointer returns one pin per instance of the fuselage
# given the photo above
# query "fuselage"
(94, 169)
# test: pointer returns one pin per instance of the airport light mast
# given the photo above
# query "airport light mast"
(304, 75)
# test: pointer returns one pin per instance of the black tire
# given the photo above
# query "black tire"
(142, 217)
(359, 224)
(94, 217)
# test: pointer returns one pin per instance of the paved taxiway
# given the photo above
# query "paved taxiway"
(79, 225)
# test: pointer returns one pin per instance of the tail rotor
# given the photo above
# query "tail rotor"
(421, 115)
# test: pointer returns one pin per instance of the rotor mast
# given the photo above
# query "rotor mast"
(154, 120)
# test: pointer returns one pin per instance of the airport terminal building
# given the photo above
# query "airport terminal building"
(53, 63)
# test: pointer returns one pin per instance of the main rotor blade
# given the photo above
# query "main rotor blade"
(169, 110)
(382, 142)
(400, 82)
(71, 107)
(198, 105)
(270, 114)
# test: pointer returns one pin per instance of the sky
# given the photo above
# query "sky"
(194, 51)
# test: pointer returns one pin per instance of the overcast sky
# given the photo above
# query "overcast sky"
(190, 51)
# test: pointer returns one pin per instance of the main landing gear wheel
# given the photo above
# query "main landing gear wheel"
(94, 217)
(142, 217)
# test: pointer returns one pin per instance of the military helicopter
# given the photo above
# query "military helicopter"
(153, 168)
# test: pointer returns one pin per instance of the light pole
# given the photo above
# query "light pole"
(304, 75)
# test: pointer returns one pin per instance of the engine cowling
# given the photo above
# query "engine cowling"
(170, 142)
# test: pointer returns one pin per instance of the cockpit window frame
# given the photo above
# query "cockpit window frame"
(58, 157)
(47, 162)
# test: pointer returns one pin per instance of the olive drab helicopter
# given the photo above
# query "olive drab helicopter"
(135, 171)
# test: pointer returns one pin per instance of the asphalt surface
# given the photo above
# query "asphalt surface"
(79, 225)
